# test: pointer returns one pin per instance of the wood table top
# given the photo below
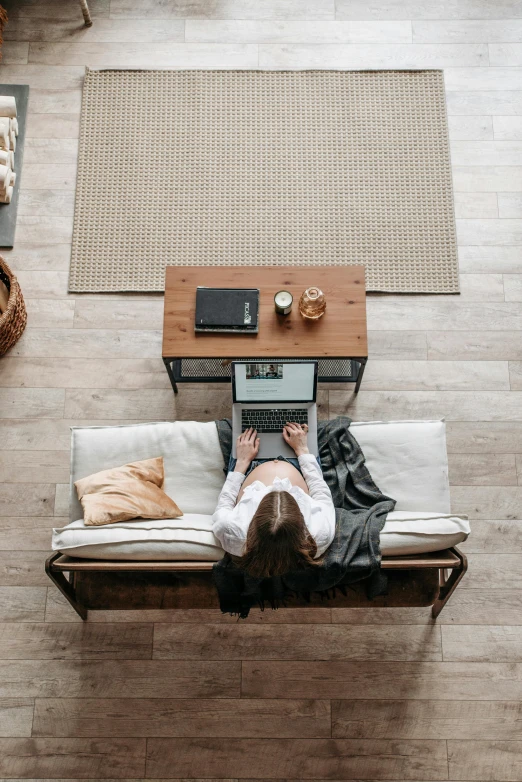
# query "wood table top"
(341, 332)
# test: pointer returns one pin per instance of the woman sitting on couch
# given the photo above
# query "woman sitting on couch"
(274, 516)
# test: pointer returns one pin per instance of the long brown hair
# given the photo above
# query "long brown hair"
(278, 541)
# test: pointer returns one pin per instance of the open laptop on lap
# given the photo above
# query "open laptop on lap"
(267, 395)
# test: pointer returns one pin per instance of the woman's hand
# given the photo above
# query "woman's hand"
(296, 436)
(247, 447)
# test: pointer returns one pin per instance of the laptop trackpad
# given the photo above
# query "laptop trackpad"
(273, 445)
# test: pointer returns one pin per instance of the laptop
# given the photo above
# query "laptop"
(268, 394)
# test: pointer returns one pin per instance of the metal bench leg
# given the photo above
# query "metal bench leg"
(448, 587)
(86, 13)
(65, 586)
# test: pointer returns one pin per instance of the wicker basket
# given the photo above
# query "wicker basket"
(14, 319)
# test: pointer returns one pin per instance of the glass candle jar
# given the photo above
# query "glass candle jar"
(283, 302)
(312, 303)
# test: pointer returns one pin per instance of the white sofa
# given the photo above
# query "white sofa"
(407, 460)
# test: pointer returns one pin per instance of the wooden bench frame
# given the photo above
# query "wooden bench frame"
(450, 563)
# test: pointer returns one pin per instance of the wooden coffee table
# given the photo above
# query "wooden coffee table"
(338, 340)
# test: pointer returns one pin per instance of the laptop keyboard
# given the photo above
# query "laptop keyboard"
(272, 420)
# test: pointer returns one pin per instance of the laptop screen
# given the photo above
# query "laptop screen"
(275, 381)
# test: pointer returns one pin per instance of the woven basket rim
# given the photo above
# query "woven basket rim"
(13, 291)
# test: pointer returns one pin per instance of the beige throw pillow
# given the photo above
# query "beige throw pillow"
(123, 493)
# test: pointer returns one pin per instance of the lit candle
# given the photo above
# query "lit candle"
(283, 302)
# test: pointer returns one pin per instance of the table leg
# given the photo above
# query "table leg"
(170, 373)
(362, 367)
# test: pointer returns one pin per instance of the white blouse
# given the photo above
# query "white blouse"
(230, 522)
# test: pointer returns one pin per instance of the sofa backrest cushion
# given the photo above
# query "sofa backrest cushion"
(192, 459)
(407, 460)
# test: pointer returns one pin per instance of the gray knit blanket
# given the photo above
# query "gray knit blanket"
(361, 511)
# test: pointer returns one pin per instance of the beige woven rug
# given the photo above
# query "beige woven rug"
(260, 167)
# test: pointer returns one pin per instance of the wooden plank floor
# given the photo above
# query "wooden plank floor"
(340, 694)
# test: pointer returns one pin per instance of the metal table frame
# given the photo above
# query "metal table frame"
(174, 367)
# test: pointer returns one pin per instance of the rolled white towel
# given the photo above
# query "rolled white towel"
(8, 186)
(12, 141)
(5, 143)
(5, 158)
(5, 133)
(13, 125)
(5, 177)
(7, 106)
(5, 198)
(11, 160)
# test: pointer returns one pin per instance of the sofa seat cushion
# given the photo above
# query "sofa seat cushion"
(190, 537)
(408, 532)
